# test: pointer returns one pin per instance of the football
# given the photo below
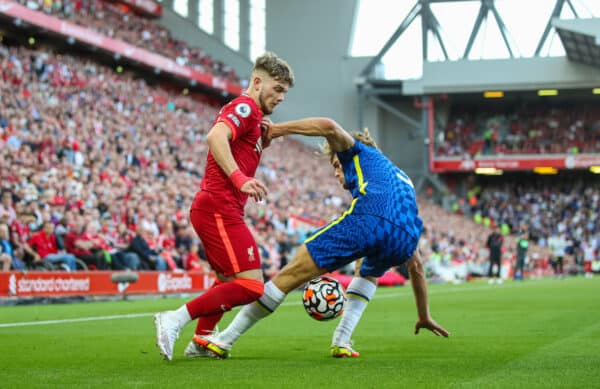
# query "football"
(323, 298)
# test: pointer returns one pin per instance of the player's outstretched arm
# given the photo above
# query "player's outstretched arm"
(419, 285)
(218, 142)
(337, 137)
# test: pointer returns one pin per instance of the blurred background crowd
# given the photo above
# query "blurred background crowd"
(527, 128)
(98, 169)
(105, 18)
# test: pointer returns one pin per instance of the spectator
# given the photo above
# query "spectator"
(150, 257)
(589, 254)
(522, 245)
(86, 245)
(192, 260)
(494, 245)
(6, 207)
(6, 250)
(19, 234)
(166, 243)
(121, 257)
(558, 245)
(46, 249)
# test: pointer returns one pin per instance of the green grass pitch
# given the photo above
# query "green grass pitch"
(537, 333)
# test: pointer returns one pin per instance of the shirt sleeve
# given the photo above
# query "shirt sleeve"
(238, 116)
(31, 241)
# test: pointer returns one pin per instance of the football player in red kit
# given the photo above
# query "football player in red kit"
(217, 212)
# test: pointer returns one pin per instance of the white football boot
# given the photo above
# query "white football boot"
(167, 332)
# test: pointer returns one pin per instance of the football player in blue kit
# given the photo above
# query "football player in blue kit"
(381, 227)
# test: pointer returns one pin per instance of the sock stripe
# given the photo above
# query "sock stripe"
(353, 294)
(263, 306)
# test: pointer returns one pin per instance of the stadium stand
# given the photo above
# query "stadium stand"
(455, 245)
(113, 21)
(563, 206)
(80, 149)
(537, 128)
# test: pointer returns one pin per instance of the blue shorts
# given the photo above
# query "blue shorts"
(346, 239)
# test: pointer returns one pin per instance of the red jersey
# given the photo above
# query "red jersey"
(70, 247)
(43, 244)
(243, 116)
(20, 229)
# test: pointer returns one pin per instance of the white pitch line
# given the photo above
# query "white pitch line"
(289, 303)
(76, 320)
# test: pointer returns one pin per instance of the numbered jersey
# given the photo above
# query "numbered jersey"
(380, 188)
(243, 116)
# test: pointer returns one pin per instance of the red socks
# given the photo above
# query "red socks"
(206, 324)
(222, 298)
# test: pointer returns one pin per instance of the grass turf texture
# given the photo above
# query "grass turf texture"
(538, 333)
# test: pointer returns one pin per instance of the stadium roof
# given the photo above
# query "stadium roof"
(517, 74)
(513, 72)
(581, 39)
(459, 30)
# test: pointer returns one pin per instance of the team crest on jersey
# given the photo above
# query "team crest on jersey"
(243, 110)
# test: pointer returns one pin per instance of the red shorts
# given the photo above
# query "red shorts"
(229, 245)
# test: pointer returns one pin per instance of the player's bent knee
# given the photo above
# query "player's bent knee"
(306, 265)
(302, 269)
(255, 274)
(254, 288)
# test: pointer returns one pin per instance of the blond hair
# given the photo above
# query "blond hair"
(275, 67)
(363, 137)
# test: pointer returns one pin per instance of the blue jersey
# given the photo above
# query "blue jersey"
(380, 188)
(382, 223)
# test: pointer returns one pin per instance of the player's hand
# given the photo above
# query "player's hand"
(255, 189)
(265, 129)
(432, 326)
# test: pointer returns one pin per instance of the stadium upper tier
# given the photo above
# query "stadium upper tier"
(537, 128)
(108, 20)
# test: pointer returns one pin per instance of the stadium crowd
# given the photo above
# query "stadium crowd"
(109, 19)
(96, 176)
(565, 128)
(559, 214)
(114, 167)
(456, 246)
